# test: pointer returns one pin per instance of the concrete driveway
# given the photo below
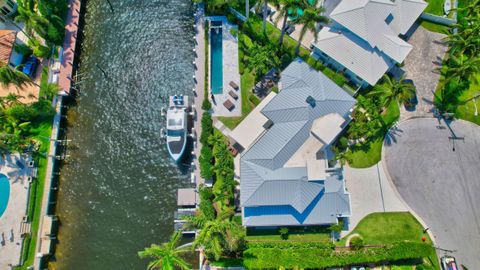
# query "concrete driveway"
(441, 185)
(420, 66)
(370, 192)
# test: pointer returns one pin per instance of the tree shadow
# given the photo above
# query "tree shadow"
(392, 134)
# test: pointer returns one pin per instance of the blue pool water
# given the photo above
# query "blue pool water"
(4, 193)
(216, 78)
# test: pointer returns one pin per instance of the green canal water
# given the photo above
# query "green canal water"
(118, 187)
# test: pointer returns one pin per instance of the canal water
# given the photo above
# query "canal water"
(118, 187)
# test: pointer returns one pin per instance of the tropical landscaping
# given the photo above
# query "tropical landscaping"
(26, 127)
(457, 91)
(224, 241)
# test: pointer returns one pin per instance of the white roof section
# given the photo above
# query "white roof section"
(374, 26)
(328, 127)
(186, 197)
(354, 53)
(247, 132)
(406, 14)
(316, 169)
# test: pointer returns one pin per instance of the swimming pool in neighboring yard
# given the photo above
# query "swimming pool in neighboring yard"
(4, 193)
(216, 77)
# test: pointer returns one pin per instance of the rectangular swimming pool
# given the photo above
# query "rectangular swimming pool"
(216, 62)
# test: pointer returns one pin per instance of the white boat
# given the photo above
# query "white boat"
(177, 127)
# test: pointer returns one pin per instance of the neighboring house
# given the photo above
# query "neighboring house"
(362, 40)
(8, 55)
(286, 178)
(7, 8)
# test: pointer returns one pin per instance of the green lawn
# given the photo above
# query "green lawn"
(435, 27)
(370, 153)
(312, 234)
(435, 7)
(41, 133)
(387, 228)
(246, 86)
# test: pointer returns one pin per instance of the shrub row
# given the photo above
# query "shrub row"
(290, 245)
(274, 258)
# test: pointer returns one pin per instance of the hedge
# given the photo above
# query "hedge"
(274, 258)
(289, 244)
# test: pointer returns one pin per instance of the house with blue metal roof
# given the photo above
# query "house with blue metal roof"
(287, 177)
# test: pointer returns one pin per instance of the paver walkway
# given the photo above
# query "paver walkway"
(421, 67)
(441, 184)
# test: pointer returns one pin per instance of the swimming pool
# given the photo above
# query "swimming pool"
(216, 77)
(4, 193)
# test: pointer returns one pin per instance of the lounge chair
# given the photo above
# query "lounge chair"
(229, 105)
(233, 95)
(234, 85)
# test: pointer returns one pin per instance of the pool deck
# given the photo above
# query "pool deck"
(230, 73)
(10, 221)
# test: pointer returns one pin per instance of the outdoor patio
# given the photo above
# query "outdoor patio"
(229, 102)
(17, 169)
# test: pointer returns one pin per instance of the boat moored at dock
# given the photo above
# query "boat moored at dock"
(176, 132)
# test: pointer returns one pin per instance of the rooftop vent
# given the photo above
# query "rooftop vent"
(311, 101)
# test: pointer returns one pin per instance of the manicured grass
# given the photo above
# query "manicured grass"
(41, 133)
(435, 7)
(435, 27)
(366, 155)
(312, 234)
(387, 228)
(246, 86)
(370, 153)
(466, 111)
(228, 262)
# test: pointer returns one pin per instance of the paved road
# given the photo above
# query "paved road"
(441, 185)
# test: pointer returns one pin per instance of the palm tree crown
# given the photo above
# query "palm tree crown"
(166, 256)
(310, 19)
(288, 8)
(394, 90)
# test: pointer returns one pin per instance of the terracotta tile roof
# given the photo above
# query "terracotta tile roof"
(7, 41)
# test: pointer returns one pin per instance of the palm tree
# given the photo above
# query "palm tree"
(462, 67)
(261, 59)
(167, 256)
(264, 4)
(12, 99)
(288, 8)
(10, 76)
(310, 19)
(394, 90)
(32, 20)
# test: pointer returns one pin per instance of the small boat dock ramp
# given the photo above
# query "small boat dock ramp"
(187, 199)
